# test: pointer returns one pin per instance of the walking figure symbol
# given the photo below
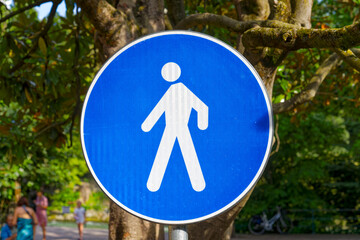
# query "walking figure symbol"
(177, 103)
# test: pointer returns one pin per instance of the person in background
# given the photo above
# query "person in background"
(79, 215)
(41, 203)
(25, 219)
(6, 230)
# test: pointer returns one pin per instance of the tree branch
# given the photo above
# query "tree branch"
(356, 51)
(75, 69)
(296, 38)
(153, 16)
(349, 57)
(232, 24)
(12, 14)
(248, 10)
(48, 127)
(277, 34)
(176, 11)
(301, 12)
(101, 14)
(111, 24)
(280, 10)
(311, 89)
(277, 138)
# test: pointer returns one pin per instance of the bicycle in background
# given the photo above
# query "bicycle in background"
(258, 224)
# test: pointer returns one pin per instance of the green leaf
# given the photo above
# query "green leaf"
(42, 46)
(279, 98)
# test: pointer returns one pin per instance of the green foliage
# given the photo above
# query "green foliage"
(29, 162)
(317, 167)
(97, 201)
(296, 174)
(43, 76)
(318, 162)
(334, 13)
(64, 197)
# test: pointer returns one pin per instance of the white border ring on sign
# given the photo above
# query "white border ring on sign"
(268, 149)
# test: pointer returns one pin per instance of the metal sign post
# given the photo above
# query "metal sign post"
(179, 233)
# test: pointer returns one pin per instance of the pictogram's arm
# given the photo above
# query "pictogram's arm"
(203, 112)
(154, 116)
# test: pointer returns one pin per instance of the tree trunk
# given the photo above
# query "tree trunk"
(117, 24)
(217, 227)
(123, 225)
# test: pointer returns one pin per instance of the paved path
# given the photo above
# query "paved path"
(66, 233)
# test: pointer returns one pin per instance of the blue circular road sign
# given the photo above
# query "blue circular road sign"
(176, 127)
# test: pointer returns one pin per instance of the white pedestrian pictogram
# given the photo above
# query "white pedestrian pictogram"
(177, 103)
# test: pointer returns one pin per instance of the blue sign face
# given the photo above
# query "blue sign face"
(176, 127)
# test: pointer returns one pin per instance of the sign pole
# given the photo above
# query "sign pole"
(179, 233)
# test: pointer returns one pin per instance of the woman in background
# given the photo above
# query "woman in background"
(26, 220)
(41, 203)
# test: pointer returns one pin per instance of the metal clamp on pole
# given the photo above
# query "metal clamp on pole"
(179, 233)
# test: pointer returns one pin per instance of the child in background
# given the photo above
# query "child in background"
(79, 215)
(7, 231)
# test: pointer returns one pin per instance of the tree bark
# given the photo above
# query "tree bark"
(266, 60)
(296, 38)
(216, 228)
(123, 225)
(176, 11)
(301, 12)
(252, 10)
(118, 24)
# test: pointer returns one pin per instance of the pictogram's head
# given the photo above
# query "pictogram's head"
(171, 72)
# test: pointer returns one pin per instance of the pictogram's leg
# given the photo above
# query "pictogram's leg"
(161, 160)
(191, 160)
